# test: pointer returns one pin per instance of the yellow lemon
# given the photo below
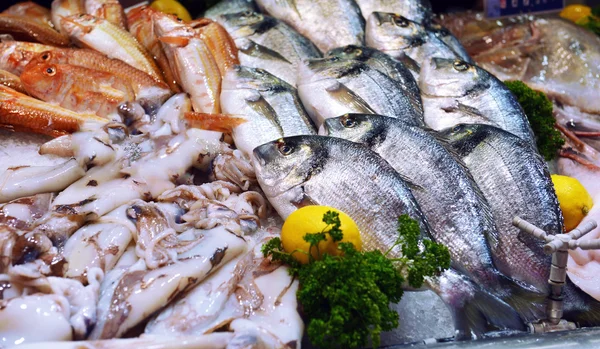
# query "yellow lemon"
(575, 201)
(309, 220)
(172, 7)
(575, 13)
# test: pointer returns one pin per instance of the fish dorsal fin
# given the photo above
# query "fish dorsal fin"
(409, 182)
(349, 98)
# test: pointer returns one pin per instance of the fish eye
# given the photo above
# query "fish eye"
(50, 71)
(457, 128)
(285, 149)
(334, 59)
(46, 56)
(460, 65)
(348, 122)
(400, 21)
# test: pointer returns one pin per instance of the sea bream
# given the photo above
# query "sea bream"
(267, 43)
(385, 64)
(456, 92)
(516, 182)
(457, 212)
(327, 23)
(398, 36)
(270, 107)
(330, 87)
(318, 170)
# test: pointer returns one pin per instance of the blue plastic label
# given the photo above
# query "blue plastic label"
(501, 8)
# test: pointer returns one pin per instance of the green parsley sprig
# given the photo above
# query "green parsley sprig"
(346, 298)
(538, 109)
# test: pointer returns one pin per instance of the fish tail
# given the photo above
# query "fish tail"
(528, 303)
(483, 313)
(475, 311)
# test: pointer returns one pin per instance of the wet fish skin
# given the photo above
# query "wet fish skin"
(328, 24)
(230, 6)
(386, 65)
(141, 26)
(456, 92)
(9, 79)
(220, 44)
(416, 10)
(20, 112)
(330, 87)
(111, 10)
(457, 212)
(32, 11)
(515, 181)
(398, 36)
(191, 61)
(301, 170)
(111, 40)
(267, 43)
(270, 106)
(15, 55)
(22, 28)
(76, 88)
(147, 90)
(65, 8)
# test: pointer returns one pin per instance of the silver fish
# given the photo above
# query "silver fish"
(397, 36)
(301, 170)
(267, 43)
(385, 64)
(296, 171)
(229, 6)
(516, 182)
(457, 212)
(328, 24)
(270, 107)
(416, 10)
(456, 92)
(331, 87)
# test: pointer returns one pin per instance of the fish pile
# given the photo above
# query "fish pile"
(177, 138)
(563, 61)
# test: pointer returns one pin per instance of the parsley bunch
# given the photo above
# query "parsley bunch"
(346, 298)
(538, 109)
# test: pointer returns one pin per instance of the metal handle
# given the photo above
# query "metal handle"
(586, 228)
(585, 245)
(531, 229)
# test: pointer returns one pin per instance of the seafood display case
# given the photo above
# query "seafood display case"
(152, 156)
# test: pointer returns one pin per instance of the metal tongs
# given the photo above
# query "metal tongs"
(558, 245)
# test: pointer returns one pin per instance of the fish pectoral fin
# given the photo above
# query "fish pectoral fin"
(251, 48)
(174, 40)
(349, 98)
(458, 107)
(409, 182)
(213, 122)
(304, 200)
(410, 63)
